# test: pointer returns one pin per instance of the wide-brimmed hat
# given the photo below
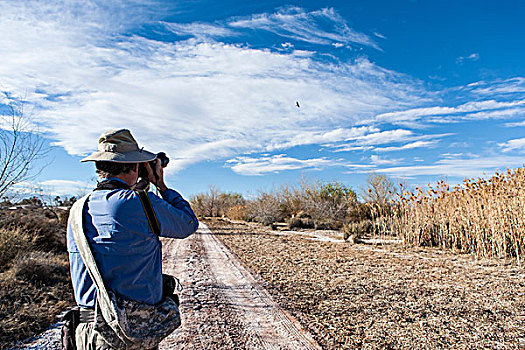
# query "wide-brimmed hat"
(119, 146)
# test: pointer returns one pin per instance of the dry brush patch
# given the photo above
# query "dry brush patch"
(484, 217)
(34, 274)
(380, 297)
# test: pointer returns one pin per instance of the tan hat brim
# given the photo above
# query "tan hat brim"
(128, 157)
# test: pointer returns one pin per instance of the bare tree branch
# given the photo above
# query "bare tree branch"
(21, 145)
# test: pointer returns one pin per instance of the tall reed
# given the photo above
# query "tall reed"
(484, 217)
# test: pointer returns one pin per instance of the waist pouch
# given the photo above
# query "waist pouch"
(143, 325)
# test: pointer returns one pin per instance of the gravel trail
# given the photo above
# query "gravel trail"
(223, 306)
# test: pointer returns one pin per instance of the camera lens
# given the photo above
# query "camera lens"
(164, 160)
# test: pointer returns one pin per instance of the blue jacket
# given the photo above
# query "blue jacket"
(127, 252)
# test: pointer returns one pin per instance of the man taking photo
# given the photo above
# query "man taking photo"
(121, 227)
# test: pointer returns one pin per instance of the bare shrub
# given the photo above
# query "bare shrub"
(12, 242)
(237, 212)
(40, 267)
(266, 208)
(214, 202)
(325, 205)
(379, 189)
(360, 212)
(34, 285)
(47, 234)
(326, 202)
(301, 222)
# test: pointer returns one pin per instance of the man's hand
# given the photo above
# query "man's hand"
(157, 181)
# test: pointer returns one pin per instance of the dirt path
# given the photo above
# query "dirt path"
(223, 306)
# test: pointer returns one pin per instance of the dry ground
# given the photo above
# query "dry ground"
(222, 306)
(385, 297)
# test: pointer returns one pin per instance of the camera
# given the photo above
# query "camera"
(143, 172)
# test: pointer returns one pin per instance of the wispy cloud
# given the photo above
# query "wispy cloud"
(378, 160)
(323, 27)
(200, 30)
(500, 87)
(458, 167)
(369, 141)
(411, 145)
(513, 145)
(472, 57)
(488, 109)
(323, 137)
(512, 125)
(276, 163)
(379, 35)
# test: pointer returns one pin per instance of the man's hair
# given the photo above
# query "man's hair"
(112, 169)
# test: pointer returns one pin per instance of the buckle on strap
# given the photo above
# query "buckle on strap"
(87, 316)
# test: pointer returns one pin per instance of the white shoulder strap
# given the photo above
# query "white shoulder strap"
(106, 306)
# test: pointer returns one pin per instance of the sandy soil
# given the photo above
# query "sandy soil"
(367, 296)
(222, 305)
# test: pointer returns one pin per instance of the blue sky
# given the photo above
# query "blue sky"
(420, 90)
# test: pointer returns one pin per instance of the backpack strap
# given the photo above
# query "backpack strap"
(103, 299)
(150, 213)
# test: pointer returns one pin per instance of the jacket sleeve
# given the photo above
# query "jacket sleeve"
(174, 213)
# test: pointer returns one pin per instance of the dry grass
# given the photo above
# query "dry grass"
(35, 283)
(484, 217)
(386, 297)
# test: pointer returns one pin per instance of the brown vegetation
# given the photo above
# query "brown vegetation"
(385, 297)
(484, 217)
(34, 273)
(324, 205)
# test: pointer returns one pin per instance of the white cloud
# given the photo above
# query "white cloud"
(458, 167)
(200, 30)
(368, 141)
(505, 87)
(469, 110)
(196, 100)
(512, 125)
(378, 160)
(326, 137)
(383, 137)
(379, 35)
(275, 164)
(513, 145)
(51, 188)
(472, 57)
(323, 27)
(411, 145)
